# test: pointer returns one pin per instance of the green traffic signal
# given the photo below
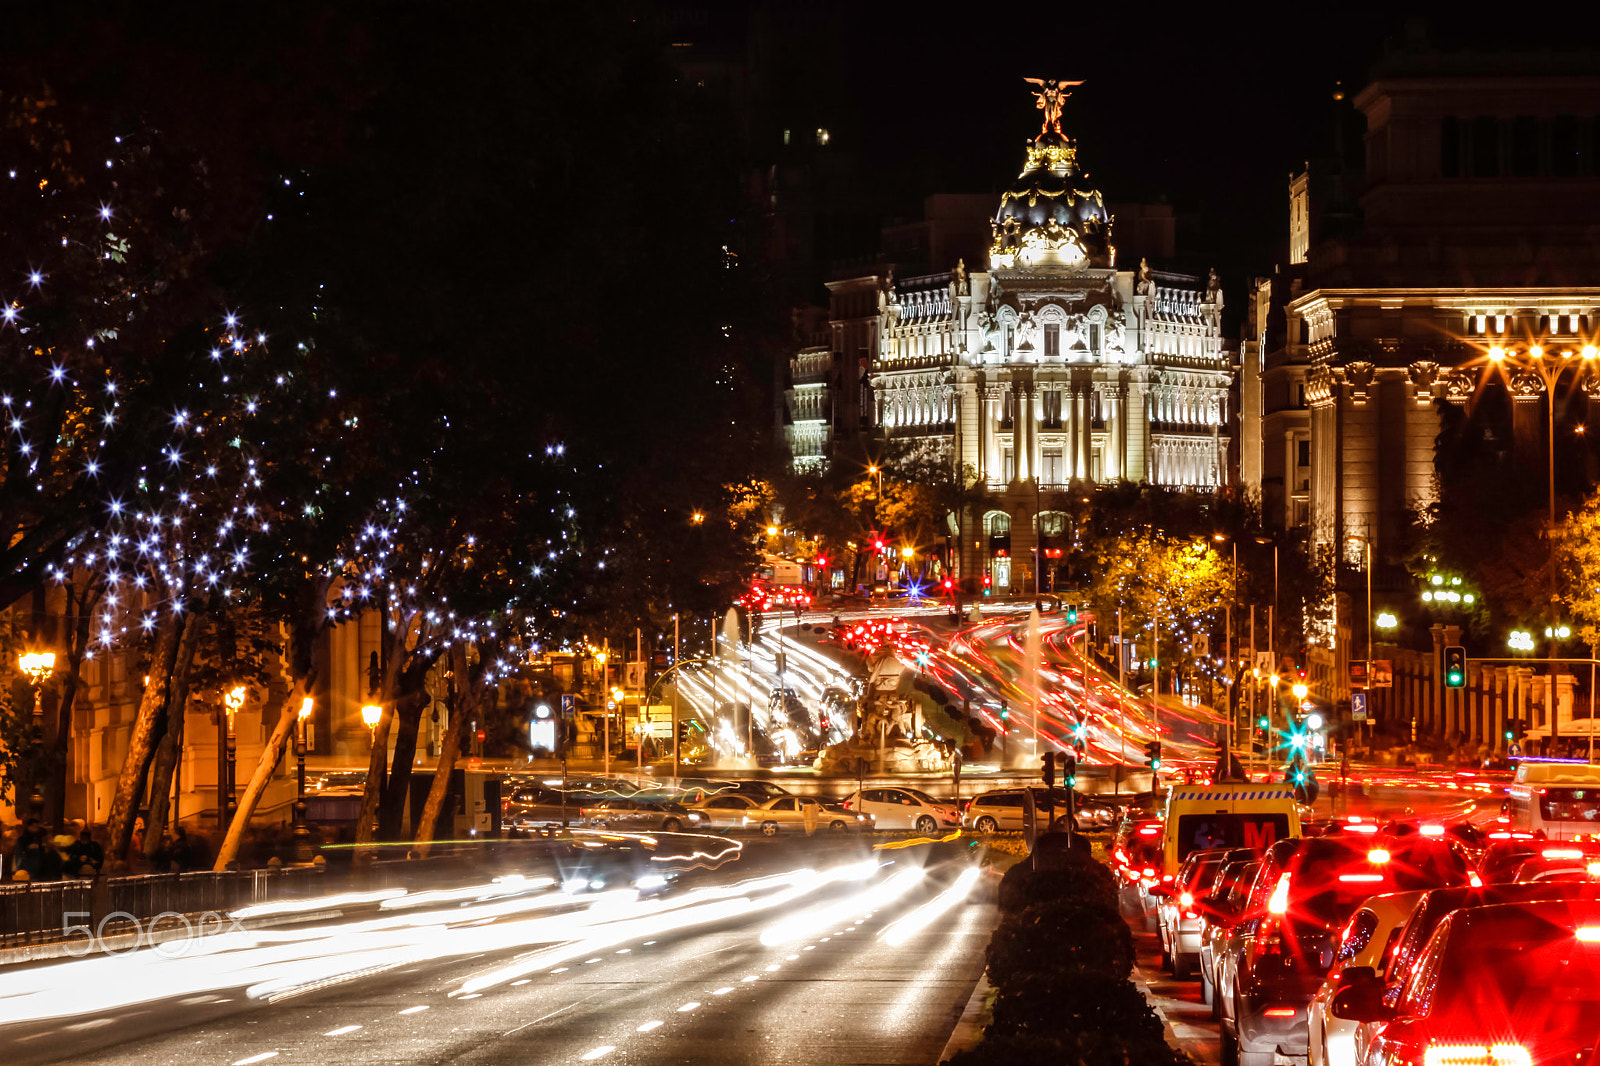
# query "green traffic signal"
(1262, 724)
(1455, 666)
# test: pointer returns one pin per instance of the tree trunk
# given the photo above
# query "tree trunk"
(177, 707)
(377, 765)
(80, 611)
(167, 755)
(448, 753)
(282, 734)
(391, 812)
(124, 806)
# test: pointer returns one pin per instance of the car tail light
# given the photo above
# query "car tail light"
(1377, 856)
(846, 805)
(1562, 853)
(1279, 901)
(1166, 877)
(1279, 1012)
(1432, 830)
(1477, 1055)
(1474, 881)
(1185, 900)
(1363, 827)
(1361, 877)
(1588, 934)
(1149, 872)
(1148, 831)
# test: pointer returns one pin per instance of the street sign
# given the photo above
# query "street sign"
(568, 703)
(1358, 706)
(634, 677)
(1358, 673)
(1264, 663)
(1382, 673)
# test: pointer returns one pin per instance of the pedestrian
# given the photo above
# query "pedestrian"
(28, 855)
(180, 855)
(86, 856)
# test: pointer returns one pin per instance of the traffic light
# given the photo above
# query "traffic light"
(1152, 754)
(1072, 615)
(1262, 723)
(948, 584)
(1069, 769)
(1049, 769)
(1455, 666)
(987, 581)
(1005, 712)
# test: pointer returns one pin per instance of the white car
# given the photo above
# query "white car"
(904, 808)
(796, 812)
(725, 810)
(1363, 943)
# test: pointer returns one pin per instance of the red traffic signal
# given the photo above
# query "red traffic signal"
(482, 736)
(949, 584)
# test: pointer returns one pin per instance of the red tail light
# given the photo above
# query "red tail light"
(847, 805)
(1279, 1012)
(1477, 1055)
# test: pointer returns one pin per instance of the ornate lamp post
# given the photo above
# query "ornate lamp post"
(232, 700)
(1533, 371)
(38, 666)
(302, 835)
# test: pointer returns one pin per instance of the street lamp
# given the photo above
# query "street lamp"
(1386, 620)
(697, 518)
(1546, 369)
(1233, 653)
(232, 700)
(302, 835)
(38, 665)
(372, 714)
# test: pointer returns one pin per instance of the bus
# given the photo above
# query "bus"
(1559, 797)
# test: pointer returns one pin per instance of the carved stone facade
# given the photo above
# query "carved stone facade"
(1050, 371)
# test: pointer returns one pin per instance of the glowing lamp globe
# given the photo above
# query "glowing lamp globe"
(371, 714)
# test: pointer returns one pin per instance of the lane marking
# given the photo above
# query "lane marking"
(647, 1026)
(752, 977)
(595, 1053)
(522, 981)
(724, 990)
(415, 1010)
(689, 1006)
(343, 1029)
(263, 1057)
(473, 995)
(559, 969)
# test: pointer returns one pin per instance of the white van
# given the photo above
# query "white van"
(1561, 798)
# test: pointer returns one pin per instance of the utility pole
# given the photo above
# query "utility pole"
(675, 661)
(605, 707)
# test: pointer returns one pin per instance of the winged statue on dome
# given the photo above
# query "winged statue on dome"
(1051, 96)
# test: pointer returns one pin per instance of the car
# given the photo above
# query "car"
(904, 808)
(1507, 849)
(642, 816)
(800, 812)
(1217, 910)
(1177, 920)
(534, 806)
(723, 811)
(1510, 983)
(1003, 809)
(1305, 891)
(1363, 944)
(1430, 911)
(1565, 860)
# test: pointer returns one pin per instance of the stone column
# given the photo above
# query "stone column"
(1114, 444)
(1022, 438)
(1084, 439)
(1136, 442)
(1036, 417)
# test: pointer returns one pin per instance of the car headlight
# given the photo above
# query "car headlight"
(695, 816)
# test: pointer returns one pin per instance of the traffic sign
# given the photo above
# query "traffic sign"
(1382, 673)
(568, 702)
(1358, 673)
(1358, 706)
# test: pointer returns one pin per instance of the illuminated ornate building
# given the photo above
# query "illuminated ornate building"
(1050, 371)
(1473, 226)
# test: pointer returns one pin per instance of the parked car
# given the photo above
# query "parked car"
(723, 811)
(1002, 810)
(534, 806)
(1177, 918)
(642, 816)
(790, 812)
(904, 808)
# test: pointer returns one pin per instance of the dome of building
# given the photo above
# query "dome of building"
(1051, 215)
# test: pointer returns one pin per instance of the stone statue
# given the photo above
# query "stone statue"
(1146, 285)
(962, 286)
(1214, 288)
(1115, 335)
(1049, 98)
